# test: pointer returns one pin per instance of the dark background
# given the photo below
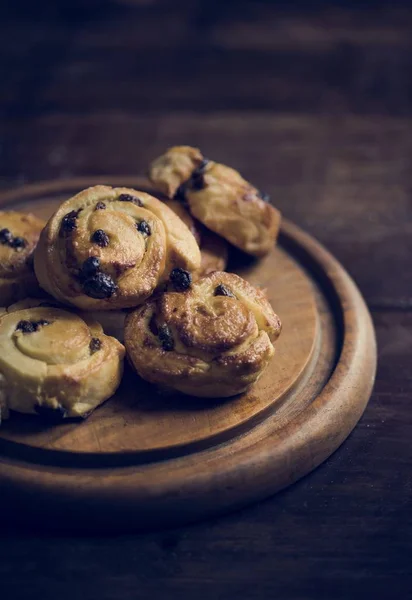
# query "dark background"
(313, 102)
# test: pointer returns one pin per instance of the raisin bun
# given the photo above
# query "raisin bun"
(109, 248)
(218, 197)
(19, 234)
(55, 363)
(212, 338)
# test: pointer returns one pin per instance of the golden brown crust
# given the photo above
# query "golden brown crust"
(136, 239)
(214, 340)
(19, 234)
(170, 170)
(219, 197)
(213, 248)
(53, 361)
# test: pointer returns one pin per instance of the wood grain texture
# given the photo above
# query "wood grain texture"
(141, 420)
(320, 116)
(142, 460)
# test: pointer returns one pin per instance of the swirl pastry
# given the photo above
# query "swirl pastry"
(213, 248)
(109, 248)
(54, 363)
(19, 234)
(213, 340)
(218, 197)
(112, 321)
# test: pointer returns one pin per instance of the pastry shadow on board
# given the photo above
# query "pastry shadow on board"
(239, 260)
(133, 393)
(145, 398)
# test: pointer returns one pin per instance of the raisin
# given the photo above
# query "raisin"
(144, 227)
(100, 238)
(181, 279)
(197, 180)
(31, 326)
(100, 206)
(99, 286)
(95, 345)
(263, 196)
(51, 413)
(18, 243)
(165, 336)
(90, 267)
(6, 236)
(130, 198)
(222, 290)
(43, 322)
(69, 221)
(26, 326)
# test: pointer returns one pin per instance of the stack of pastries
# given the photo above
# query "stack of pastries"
(118, 271)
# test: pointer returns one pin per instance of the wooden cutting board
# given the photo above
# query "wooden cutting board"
(146, 459)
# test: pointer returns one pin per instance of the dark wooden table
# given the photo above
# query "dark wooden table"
(315, 106)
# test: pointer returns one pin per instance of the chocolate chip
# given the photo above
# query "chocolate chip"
(5, 236)
(69, 221)
(90, 267)
(95, 345)
(181, 279)
(18, 243)
(130, 198)
(222, 290)
(99, 286)
(165, 336)
(144, 227)
(26, 326)
(100, 238)
(100, 206)
(51, 413)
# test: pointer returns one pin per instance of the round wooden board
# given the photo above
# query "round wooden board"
(148, 459)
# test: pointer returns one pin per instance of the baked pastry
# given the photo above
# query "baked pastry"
(54, 363)
(19, 234)
(211, 338)
(112, 321)
(218, 197)
(109, 248)
(213, 248)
